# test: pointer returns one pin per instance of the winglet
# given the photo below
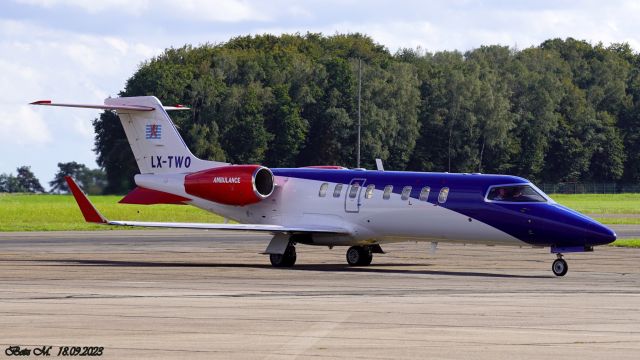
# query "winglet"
(88, 210)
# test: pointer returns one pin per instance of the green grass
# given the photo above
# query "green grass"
(23, 212)
(633, 243)
(618, 220)
(601, 203)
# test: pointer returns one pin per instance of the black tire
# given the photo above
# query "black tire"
(353, 255)
(288, 259)
(290, 256)
(359, 256)
(367, 256)
(559, 267)
(276, 260)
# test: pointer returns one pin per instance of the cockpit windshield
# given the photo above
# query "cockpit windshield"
(515, 193)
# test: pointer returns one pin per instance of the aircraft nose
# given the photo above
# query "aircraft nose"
(599, 234)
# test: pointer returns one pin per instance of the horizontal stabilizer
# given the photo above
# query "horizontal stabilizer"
(144, 196)
(94, 106)
(108, 107)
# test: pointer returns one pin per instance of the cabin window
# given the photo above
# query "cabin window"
(387, 192)
(337, 190)
(406, 191)
(323, 190)
(514, 193)
(424, 193)
(444, 193)
(368, 194)
(354, 190)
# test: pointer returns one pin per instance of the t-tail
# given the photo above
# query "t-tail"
(154, 139)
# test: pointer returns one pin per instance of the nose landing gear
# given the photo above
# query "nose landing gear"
(559, 266)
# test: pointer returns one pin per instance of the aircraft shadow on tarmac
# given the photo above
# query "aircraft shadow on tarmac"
(388, 268)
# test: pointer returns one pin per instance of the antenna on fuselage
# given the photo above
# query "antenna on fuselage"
(379, 165)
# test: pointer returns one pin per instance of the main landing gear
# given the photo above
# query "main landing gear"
(288, 259)
(359, 255)
(560, 266)
(356, 255)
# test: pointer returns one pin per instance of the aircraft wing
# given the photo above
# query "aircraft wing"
(92, 215)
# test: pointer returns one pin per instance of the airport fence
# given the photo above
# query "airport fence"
(589, 188)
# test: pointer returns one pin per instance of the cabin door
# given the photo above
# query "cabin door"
(352, 197)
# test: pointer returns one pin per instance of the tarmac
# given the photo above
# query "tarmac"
(205, 294)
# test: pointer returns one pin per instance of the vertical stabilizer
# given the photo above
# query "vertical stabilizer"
(154, 139)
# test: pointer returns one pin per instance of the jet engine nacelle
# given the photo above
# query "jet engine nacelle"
(231, 185)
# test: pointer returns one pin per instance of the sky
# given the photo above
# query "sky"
(84, 51)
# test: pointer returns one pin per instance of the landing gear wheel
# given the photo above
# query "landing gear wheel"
(359, 256)
(288, 259)
(560, 267)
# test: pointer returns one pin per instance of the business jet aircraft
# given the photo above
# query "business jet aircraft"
(334, 206)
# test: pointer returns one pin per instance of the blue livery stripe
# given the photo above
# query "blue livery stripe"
(545, 224)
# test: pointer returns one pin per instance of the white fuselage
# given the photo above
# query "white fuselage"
(370, 220)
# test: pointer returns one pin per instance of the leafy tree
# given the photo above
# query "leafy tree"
(24, 181)
(244, 136)
(536, 95)
(285, 122)
(28, 181)
(449, 125)
(331, 117)
(566, 110)
(114, 153)
(10, 184)
(607, 162)
(390, 99)
(91, 181)
(493, 107)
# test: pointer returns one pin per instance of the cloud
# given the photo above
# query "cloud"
(94, 7)
(83, 127)
(221, 10)
(205, 10)
(44, 62)
(21, 125)
(39, 62)
(436, 26)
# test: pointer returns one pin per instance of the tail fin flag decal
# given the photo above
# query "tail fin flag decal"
(153, 131)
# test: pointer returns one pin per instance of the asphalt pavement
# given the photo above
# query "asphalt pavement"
(208, 294)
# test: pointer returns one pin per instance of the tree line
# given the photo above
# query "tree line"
(565, 110)
(92, 181)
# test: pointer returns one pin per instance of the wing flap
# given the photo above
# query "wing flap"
(274, 229)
